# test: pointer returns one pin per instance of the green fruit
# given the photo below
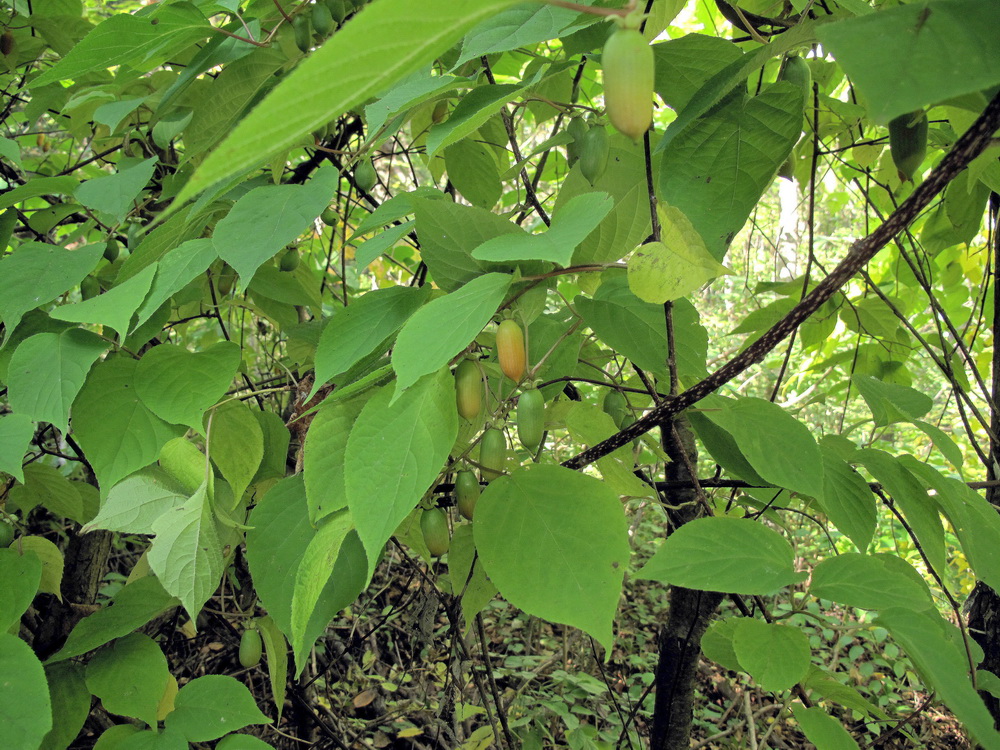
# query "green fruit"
(322, 20)
(225, 281)
(787, 168)
(594, 153)
(908, 142)
(628, 82)
(796, 70)
(330, 217)
(467, 491)
(531, 418)
(7, 534)
(615, 406)
(290, 260)
(338, 9)
(364, 176)
(468, 389)
(440, 111)
(112, 250)
(303, 35)
(250, 648)
(434, 525)
(492, 453)
(577, 128)
(90, 287)
(510, 350)
(626, 423)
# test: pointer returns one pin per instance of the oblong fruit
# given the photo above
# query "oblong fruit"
(531, 418)
(434, 525)
(90, 287)
(330, 217)
(492, 453)
(594, 154)
(796, 70)
(615, 406)
(364, 176)
(908, 142)
(303, 37)
(468, 389)
(467, 491)
(322, 19)
(112, 250)
(628, 82)
(250, 648)
(7, 534)
(290, 260)
(338, 9)
(510, 350)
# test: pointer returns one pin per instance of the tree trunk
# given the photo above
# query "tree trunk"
(690, 611)
(983, 605)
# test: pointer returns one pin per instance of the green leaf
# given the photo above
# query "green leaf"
(555, 543)
(776, 656)
(847, 500)
(236, 444)
(141, 42)
(47, 371)
(112, 197)
(209, 707)
(471, 113)
(894, 57)
(935, 646)
(571, 225)
(779, 447)
(52, 563)
(442, 328)
(943, 442)
(268, 218)
(70, 705)
(823, 730)
(466, 573)
(178, 386)
(377, 47)
(324, 455)
(911, 498)
(891, 403)
(679, 264)
(25, 708)
(277, 659)
(134, 605)
(628, 223)
(279, 535)
(44, 485)
(35, 274)
(365, 327)
(974, 520)
(521, 26)
(826, 685)
(186, 554)
(472, 169)
(134, 504)
(129, 676)
(717, 643)
(21, 575)
(757, 560)
(178, 268)
(367, 251)
(63, 185)
(113, 308)
(395, 452)
(684, 65)
(740, 144)
(313, 573)
(16, 431)
(118, 433)
(870, 582)
(148, 739)
(589, 425)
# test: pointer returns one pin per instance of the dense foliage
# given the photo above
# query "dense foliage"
(542, 374)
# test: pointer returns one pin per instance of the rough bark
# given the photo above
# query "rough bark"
(690, 612)
(983, 605)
